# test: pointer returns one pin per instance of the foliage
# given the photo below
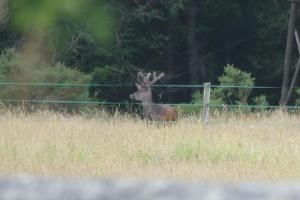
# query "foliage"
(109, 76)
(261, 102)
(235, 77)
(16, 67)
(228, 95)
(122, 37)
(32, 15)
(62, 31)
(197, 101)
(297, 97)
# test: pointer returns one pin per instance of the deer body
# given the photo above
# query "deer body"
(144, 94)
(163, 113)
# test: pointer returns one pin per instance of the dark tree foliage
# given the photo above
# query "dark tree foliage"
(190, 40)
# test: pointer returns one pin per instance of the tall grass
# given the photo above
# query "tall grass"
(46, 143)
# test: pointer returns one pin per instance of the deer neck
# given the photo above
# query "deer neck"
(148, 104)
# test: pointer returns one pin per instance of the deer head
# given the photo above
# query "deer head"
(143, 84)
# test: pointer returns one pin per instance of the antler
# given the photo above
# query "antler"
(155, 78)
(147, 79)
(144, 80)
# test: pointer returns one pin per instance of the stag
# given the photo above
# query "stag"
(144, 94)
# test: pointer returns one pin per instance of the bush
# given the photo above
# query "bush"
(235, 77)
(197, 101)
(221, 96)
(261, 102)
(17, 67)
(297, 97)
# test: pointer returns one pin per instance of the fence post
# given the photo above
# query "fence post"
(206, 99)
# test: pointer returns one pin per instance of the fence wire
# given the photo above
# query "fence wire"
(132, 85)
(56, 101)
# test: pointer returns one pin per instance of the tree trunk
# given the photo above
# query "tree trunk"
(3, 14)
(203, 75)
(288, 54)
(193, 47)
(294, 79)
(170, 50)
(169, 56)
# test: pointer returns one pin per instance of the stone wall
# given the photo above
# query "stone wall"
(27, 188)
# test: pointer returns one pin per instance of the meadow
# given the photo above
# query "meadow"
(47, 144)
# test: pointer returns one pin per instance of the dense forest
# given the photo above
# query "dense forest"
(107, 42)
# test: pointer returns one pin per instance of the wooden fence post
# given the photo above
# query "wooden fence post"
(206, 99)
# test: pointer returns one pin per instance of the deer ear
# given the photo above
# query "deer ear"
(138, 86)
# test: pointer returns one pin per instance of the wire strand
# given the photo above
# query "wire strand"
(127, 85)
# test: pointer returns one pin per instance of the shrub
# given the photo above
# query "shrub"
(221, 96)
(17, 67)
(235, 77)
(261, 102)
(197, 101)
(297, 97)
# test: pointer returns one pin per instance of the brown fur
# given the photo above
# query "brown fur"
(170, 114)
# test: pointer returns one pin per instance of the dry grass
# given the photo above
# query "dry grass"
(247, 148)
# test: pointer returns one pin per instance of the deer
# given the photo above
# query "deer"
(156, 112)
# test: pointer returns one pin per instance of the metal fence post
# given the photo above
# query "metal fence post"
(206, 99)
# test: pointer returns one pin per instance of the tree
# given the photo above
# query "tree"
(187, 39)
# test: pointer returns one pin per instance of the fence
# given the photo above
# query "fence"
(205, 106)
(27, 188)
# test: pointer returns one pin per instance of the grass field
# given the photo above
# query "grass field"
(244, 148)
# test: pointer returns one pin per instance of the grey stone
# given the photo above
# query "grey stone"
(29, 188)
